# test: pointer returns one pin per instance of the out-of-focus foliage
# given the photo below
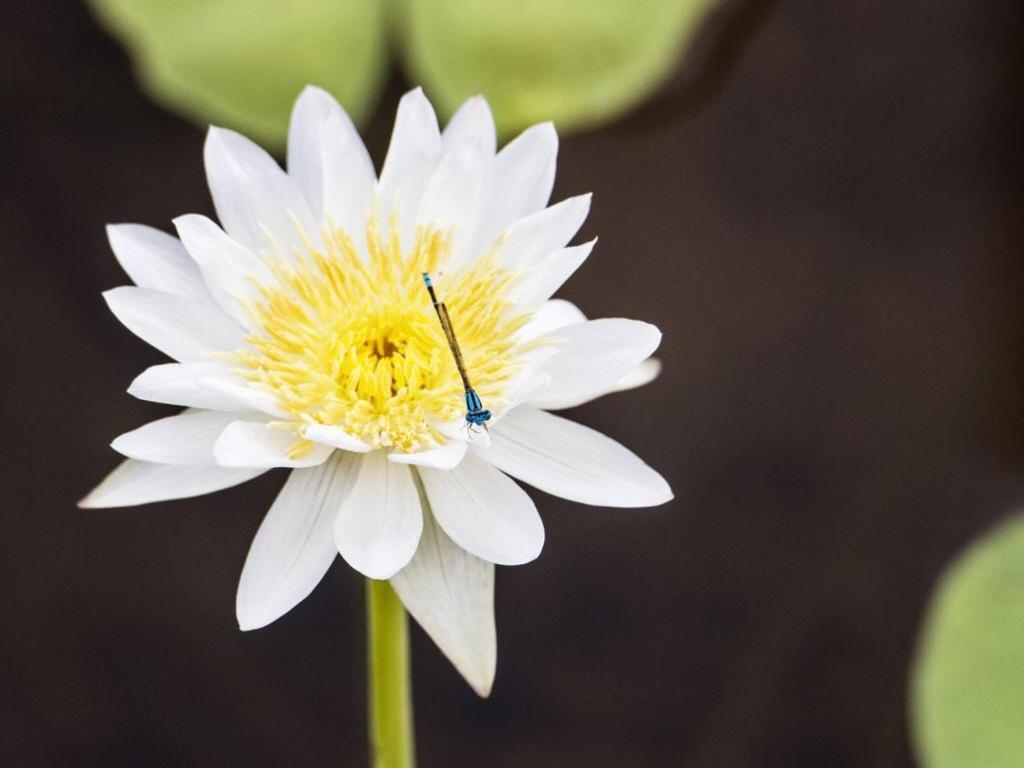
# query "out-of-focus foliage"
(576, 62)
(242, 62)
(968, 685)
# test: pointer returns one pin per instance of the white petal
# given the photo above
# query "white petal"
(453, 429)
(472, 125)
(522, 389)
(380, 522)
(349, 182)
(457, 430)
(485, 512)
(520, 181)
(525, 383)
(175, 384)
(537, 236)
(257, 202)
(250, 395)
(155, 259)
(329, 162)
(452, 197)
(249, 444)
(552, 314)
(643, 374)
(140, 482)
(594, 356)
(335, 437)
(232, 273)
(187, 438)
(478, 437)
(548, 275)
(446, 456)
(294, 546)
(451, 594)
(412, 156)
(183, 328)
(318, 121)
(575, 462)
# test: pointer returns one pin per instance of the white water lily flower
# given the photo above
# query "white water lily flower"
(304, 337)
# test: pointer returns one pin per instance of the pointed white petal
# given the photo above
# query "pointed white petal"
(643, 374)
(349, 182)
(472, 125)
(253, 444)
(552, 314)
(187, 438)
(452, 197)
(175, 384)
(232, 273)
(594, 356)
(575, 462)
(140, 482)
(183, 328)
(446, 456)
(294, 545)
(520, 181)
(451, 594)
(380, 522)
(412, 156)
(305, 147)
(485, 512)
(248, 394)
(155, 259)
(329, 162)
(335, 437)
(258, 204)
(210, 385)
(537, 236)
(522, 389)
(317, 121)
(548, 275)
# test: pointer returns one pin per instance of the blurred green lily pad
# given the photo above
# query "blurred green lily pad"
(968, 687)
(241, 63)
(577, 62)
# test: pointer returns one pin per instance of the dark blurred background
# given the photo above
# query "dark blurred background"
(823, 214)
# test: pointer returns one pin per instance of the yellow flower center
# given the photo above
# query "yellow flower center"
(352, 340)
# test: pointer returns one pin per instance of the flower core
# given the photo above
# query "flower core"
(351, 340)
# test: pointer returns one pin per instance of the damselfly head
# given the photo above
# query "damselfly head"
(476, 414)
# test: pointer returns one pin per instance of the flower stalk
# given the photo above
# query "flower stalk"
(390, 694)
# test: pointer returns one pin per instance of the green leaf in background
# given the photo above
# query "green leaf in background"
(576, 62)
(242, 63)
(968, 687)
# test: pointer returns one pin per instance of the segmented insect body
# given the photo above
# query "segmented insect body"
(476, 415)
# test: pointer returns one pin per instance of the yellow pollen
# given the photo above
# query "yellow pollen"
(351, 340)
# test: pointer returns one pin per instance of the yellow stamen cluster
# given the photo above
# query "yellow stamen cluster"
(352, 340)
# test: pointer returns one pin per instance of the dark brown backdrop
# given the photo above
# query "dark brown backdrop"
(829, 238)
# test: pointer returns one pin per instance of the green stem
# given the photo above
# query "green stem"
(390, 699)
